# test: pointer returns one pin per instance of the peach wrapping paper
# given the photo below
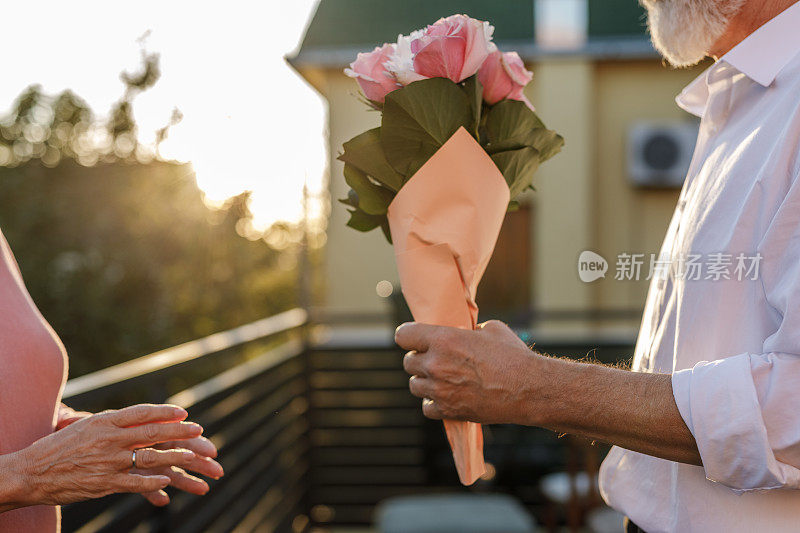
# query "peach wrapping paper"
(444, 224)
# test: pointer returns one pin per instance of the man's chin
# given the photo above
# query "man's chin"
(683, 31)
(683, 59)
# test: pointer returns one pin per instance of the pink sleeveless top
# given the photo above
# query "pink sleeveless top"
(33, 370)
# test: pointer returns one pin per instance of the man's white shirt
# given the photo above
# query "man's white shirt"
(730, 340)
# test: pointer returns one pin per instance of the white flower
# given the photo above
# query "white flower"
(488, 31)
(401, 61)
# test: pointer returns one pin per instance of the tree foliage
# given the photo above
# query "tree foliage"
(118, 248)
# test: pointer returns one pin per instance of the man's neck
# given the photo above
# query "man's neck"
(753, 15)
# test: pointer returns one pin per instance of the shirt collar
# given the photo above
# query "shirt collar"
(761, 57)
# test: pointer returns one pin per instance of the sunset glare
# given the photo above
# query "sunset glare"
(249, 122)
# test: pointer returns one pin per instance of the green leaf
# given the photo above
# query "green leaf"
(366, 154)
(505, 145)
(361, 221)
(419, 118)
(548, 142)
(351, 200)
(518, 167)
(474, 90)
(510, 119)
(372, 198)
(511, 125)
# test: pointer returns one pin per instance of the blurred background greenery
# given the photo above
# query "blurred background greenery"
(116, 245)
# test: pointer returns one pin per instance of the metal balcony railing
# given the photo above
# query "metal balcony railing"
(315, 434)
(250, 394)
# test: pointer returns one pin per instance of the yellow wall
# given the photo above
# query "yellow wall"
(583, 200)
(562, 94)
(629, 219)
(354, 262)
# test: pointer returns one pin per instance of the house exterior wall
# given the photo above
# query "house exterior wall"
(354, 262)
(630, 219)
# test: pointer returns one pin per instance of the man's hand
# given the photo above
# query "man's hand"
(490, 376)
(483, 376)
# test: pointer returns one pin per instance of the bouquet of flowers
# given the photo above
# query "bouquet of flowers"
(458, 142)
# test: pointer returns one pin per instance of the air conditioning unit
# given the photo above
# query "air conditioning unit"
(659, 153)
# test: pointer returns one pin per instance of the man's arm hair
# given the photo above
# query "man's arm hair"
(633, 410)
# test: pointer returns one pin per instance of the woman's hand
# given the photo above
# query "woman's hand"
(203, 464)
(92, 457)
(67, 415)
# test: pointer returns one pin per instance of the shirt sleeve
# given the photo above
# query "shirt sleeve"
(744, 411)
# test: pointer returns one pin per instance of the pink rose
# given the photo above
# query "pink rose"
(452, 47)
(503, 75)
(369, 70)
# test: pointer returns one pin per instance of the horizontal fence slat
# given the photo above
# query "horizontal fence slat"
(186, 352)
(366, 380)
(357, 360)
(237, 375)
(269, 393)
(387, 455)
(367, 436)
(275, 506)
(250, 467)
(388, 418)
(363, 399)
(122, 516)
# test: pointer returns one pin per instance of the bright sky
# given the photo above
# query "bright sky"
(250, 123)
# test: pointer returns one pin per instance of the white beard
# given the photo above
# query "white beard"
(684, 31)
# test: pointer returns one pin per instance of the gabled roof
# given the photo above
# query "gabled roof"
(341, 28)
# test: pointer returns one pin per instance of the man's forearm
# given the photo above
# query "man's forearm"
(633, 410)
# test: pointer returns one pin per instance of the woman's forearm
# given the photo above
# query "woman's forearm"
(12, 482)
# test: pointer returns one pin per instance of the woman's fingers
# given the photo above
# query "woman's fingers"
(199, 445)
(205, 466)
(148, 458)
(149, 434)
(159, 498)
(140, 483)
(204, 450)
(144, 413)
(181, 480)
